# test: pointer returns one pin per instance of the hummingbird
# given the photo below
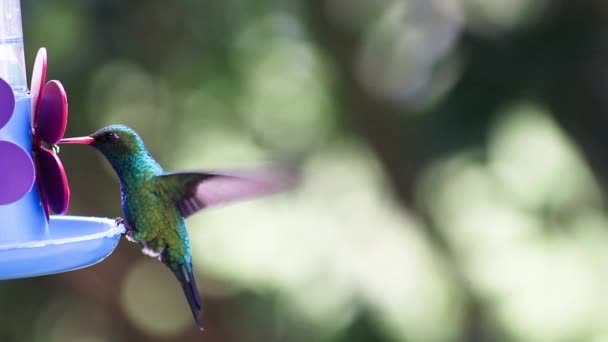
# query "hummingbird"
(155, 203)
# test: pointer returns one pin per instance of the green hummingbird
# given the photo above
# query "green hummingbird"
(155, 203)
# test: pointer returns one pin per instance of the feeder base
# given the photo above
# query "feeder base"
(69, 243)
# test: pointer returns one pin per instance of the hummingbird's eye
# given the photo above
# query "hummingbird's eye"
(111, 136)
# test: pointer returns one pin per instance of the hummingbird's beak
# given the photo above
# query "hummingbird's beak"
(80, 140)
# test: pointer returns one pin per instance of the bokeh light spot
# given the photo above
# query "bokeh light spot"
(153, 299)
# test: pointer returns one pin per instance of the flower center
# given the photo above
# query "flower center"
(53, 147)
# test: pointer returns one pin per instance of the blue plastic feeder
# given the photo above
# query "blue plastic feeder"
(32, 180)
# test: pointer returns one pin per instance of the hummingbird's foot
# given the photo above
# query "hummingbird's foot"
(129, 232)
(120, 221)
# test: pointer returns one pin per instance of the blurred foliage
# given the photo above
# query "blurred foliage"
(453, 155)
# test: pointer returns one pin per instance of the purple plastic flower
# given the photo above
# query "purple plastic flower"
(49, 121)
(17, 173)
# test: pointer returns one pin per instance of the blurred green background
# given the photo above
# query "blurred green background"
(453, 153)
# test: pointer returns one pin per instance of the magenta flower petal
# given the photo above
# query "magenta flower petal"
(7, 102)
(17, 173)
(38, 80)
(49, 121)
(53, 113)
(53, 181)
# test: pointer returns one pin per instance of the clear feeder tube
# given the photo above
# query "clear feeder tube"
(12, 58)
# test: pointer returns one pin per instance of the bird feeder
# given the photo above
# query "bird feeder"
(33, 183)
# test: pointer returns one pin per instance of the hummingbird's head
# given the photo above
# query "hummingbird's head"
(114, 142)
(117, 139)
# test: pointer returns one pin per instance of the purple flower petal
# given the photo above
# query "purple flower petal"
(53, 181)
(38, 79)
(16, 173)
(7, 102)
(53, 113)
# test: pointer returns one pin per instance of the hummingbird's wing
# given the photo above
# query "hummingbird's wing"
(193, 191)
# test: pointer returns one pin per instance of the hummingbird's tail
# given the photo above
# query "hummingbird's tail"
(184, 274)
(191, 292)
